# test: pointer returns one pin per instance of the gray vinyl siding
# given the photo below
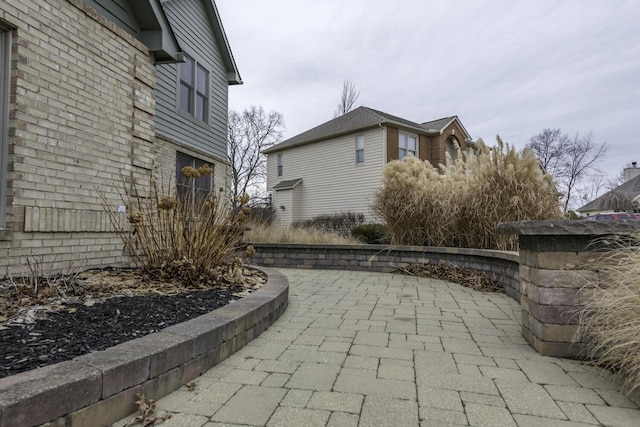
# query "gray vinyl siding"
(332, 182)
(189, 21)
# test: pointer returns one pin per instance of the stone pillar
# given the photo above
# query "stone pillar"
(556, 267)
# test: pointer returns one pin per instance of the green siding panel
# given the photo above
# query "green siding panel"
(189, 21)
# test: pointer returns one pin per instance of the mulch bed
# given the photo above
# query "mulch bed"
(452, 273)
(106, 313)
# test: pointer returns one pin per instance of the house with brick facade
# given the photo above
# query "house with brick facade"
(94, 95)
(337, 166)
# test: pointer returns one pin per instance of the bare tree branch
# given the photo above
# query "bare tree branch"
(550, 147)
(249, 133)
(571, 161)
(618, 180)
(348, 99)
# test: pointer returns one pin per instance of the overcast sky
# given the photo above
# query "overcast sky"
(508, 67)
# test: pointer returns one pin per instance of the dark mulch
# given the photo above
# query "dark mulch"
(96, 320)
(65, 335)
(452, 273)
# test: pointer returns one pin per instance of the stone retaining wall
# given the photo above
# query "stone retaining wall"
(100, 388)
(501, 266)
(556, 268)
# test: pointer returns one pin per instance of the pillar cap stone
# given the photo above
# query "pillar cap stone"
(572, 227)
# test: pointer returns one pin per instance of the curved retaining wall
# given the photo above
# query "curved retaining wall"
(501, 266)
(100, 388)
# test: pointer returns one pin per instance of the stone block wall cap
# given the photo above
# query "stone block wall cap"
(569, 227)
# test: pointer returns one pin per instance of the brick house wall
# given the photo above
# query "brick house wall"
(81, 113)
(392, 143)
(438, 144)
(430, 148)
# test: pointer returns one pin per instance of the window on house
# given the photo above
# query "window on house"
(407, 145)
(360, 149)
(5, 71)
(279, 164)
(195, 187)
(194, 89)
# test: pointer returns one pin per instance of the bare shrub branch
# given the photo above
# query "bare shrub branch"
(189, 237)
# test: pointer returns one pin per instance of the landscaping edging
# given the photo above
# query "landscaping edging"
(100, 388)
(501, 266)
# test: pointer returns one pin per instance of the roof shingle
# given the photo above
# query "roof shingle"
(360, 118)
(631, 189)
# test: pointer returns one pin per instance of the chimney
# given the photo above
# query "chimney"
(632, 172)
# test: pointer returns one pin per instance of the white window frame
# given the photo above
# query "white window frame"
(280, 165)
(194, 89)
(404, 147)
(5, 75)
(359, 149)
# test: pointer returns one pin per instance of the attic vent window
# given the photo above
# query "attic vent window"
(194, 89)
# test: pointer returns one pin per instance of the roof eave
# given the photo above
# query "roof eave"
(156, 32)
(467, 135)
(233, 75)
(276, 148)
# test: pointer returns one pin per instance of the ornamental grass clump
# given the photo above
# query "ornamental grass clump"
(461, 204)
(610, 320)
(183, 234)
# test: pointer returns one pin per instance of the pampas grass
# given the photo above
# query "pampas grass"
(610, 319)
(461, 204)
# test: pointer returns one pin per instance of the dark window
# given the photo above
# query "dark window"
(195, 187)
(194, 89)
(279, 164)
(360, 149)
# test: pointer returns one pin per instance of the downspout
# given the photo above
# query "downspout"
(384, 144)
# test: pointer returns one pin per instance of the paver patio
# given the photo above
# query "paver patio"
(378, 349)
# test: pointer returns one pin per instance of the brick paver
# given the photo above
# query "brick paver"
(374, 349)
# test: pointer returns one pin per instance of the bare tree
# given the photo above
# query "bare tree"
(550, 147)
(594, 185)
(570, 160)
(249, 133)
(350, 94)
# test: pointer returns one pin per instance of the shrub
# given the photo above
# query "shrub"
(609, 321)
(371, 234)
(265, 233)
(261, 214)
(193, 238)
(340, 223)
(461, 204)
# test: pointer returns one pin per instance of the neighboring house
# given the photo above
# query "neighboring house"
(94, 93)
(610, 201)
(337, 166)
